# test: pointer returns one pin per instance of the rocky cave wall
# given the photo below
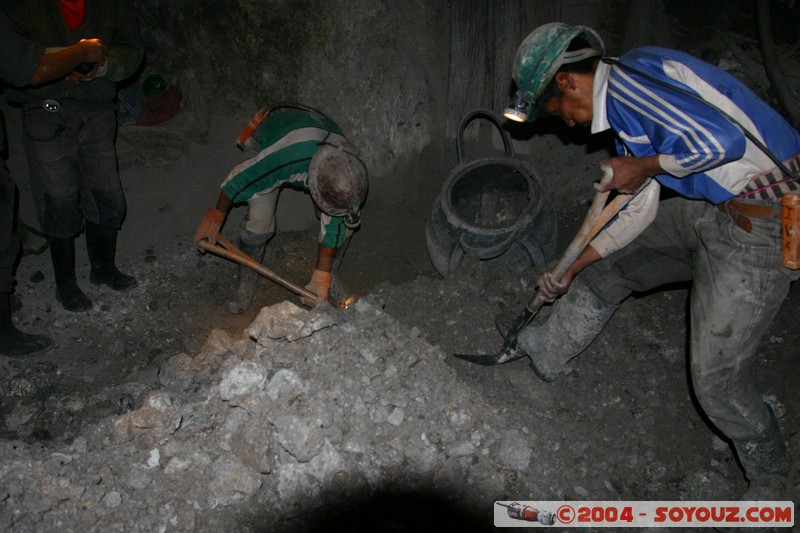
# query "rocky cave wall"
(374, 66)
(382, 69)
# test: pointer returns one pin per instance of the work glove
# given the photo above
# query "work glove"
(209, 227)
(550, 287)
(320, 284)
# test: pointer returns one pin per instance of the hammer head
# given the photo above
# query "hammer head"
(340, 295)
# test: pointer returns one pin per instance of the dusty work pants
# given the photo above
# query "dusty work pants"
(739, 283)
(9, 244)
(260, 219)
(73, 168)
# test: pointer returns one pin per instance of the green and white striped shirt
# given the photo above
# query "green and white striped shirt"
(288, 140)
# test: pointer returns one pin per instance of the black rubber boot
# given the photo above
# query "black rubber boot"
(254, 246)
(101, 244)
(62, 252)
(16, 343)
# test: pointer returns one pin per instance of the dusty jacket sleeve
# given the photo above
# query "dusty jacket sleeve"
(19, 57)
(632, 221)
(126, 50)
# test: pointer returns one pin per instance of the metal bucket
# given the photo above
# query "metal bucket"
(492, 209)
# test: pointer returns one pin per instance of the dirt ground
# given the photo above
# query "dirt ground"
(621, 425)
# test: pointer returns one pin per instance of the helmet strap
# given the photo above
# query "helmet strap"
(352, 220)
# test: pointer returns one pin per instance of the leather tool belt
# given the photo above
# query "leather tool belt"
(741, 212)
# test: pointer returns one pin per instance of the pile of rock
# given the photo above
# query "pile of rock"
(312, 413)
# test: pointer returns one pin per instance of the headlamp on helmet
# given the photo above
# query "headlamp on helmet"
(517, 109)
(251, 127)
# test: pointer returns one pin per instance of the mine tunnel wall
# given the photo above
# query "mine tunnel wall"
(397, 75)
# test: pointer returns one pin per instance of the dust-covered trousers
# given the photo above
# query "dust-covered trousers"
(738, 285)
(260, 219)
(9, 244)
(73, 167)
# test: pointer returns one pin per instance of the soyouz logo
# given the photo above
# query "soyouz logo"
(618, 514)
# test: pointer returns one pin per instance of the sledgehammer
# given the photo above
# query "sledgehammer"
(229, 251)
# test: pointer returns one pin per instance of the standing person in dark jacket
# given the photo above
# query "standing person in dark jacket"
(69, 129)
(23, 62)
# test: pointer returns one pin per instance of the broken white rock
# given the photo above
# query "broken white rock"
(369, 355)
(300, 482)
(138, 478)
(157, 418)
(285, 386)
(154, 458)
(112, 499)
(396, 417)
(196, 459)
(515, 451)
(301, 437)
(233, 481)
(252, 445)
(246, 377)
(286, 320)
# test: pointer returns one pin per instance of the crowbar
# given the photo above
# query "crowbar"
(229, 251)
(597, 217)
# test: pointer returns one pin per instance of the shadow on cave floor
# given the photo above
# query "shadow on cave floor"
(387, 510)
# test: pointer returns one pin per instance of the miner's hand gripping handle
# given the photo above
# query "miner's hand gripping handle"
(596, 218)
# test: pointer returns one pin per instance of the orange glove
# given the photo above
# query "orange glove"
(209, 227)
(320, 284)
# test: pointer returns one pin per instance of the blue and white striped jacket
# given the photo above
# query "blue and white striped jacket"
(704, 154)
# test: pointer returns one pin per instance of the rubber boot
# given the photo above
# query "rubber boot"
(101, 244)
(16, 343)
(254, 246)
(766, 465)
(577, 318)
(62, 252)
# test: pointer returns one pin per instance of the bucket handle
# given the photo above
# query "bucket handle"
(491, 117)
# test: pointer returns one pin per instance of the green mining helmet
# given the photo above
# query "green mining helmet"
(538, 59)
(154, 84)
